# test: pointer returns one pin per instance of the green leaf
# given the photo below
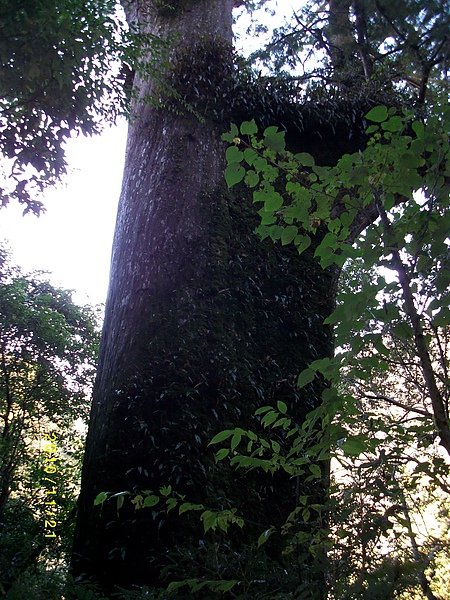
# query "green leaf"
(303, 243)
(171, 503)
(353, 446)
(305, 377)
(393, 124)
(409, 160)
(372, 129)
(234, 155)
(249, 128)
(176, 585)
(221, 436)
(186, 506)
(250, 156)
(342, 534)
(165, 490)
(100, 498)
(443, 280)
(235, 440)
(442, 319)
(378, 114)
(273, 201)
(305, 159)
(251, 178)
(315, 470)
(267, 218)
(150, 501)
(282, 407)
(274, 139)
(225, 586)
(418, 129)
(222, 453)
(263, 409)
(137, 501)
(265, 536)
(234, 174)
(289, 234)
(261, 195)
(403, 331)
(209, 520)
(269, 418)
(229, 136)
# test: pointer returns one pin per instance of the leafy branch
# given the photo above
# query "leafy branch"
(366, 208)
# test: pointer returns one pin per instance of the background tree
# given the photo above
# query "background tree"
(394, 493)
(47, 353)
(402, 45)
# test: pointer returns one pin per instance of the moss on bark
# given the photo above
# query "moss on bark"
(243, 318)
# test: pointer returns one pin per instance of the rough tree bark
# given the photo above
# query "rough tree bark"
(204, 323)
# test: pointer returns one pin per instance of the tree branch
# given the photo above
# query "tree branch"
(440, 418)
(405, 407)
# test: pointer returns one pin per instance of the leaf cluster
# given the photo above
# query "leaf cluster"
(345, 46)
(60, 75)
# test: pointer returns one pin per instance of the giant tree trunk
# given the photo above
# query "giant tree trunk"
(204, 323)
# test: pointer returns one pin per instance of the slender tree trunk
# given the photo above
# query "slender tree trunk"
(340, 35)
(204, 323)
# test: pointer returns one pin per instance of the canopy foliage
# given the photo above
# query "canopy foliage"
(60, 76)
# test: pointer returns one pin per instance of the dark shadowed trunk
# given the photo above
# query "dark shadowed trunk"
(204, 323)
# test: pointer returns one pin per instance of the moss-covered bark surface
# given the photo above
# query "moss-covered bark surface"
(204, 324)
(230, 333)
